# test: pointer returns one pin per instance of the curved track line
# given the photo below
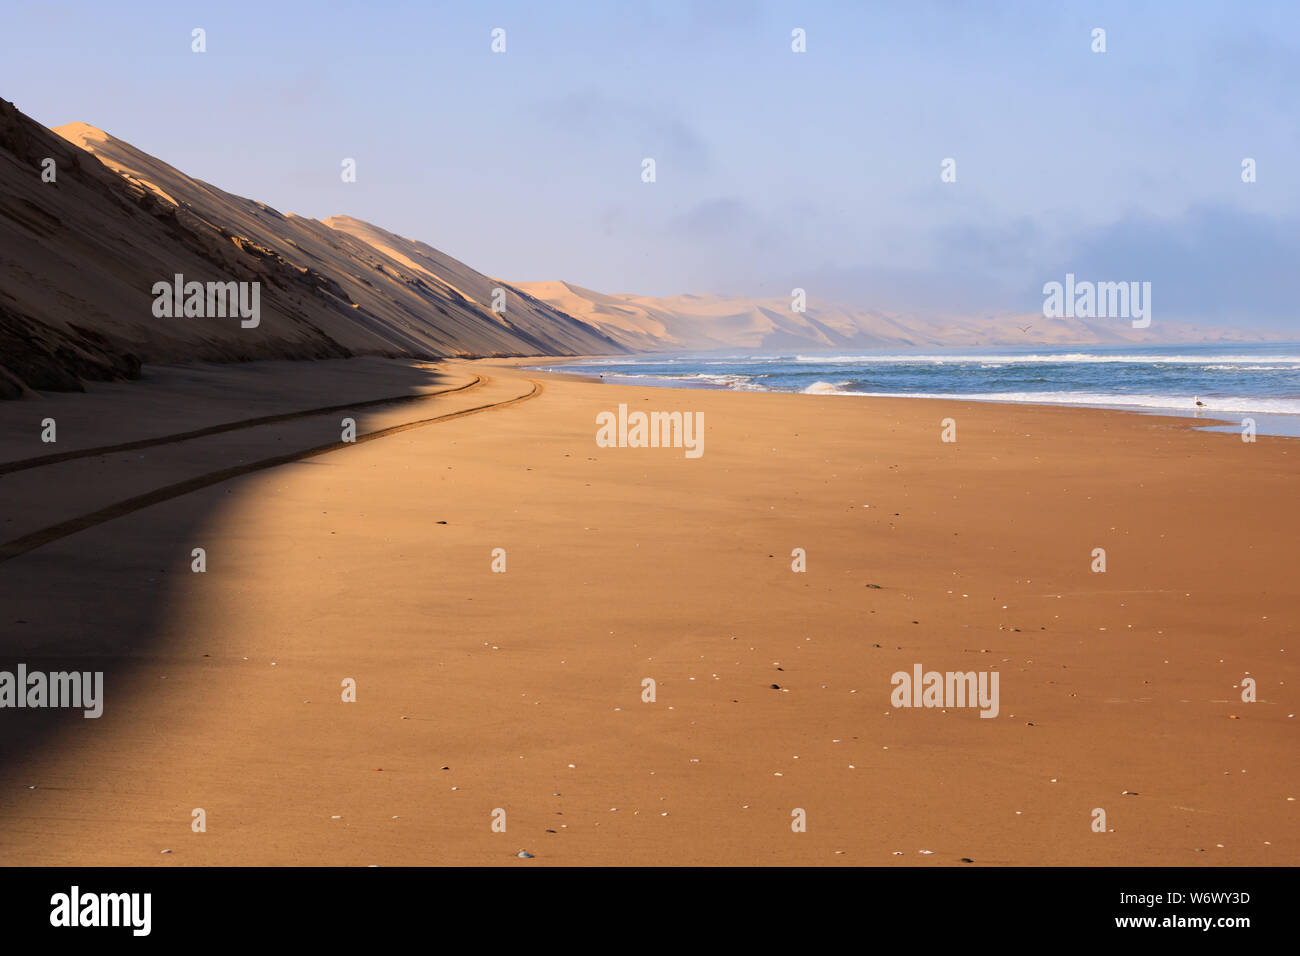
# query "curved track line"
(63, 529)
(25, 463)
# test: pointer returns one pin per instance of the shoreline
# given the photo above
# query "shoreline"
(1268, 424)
(524, 690)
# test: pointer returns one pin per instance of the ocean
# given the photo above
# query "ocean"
(1233, 381)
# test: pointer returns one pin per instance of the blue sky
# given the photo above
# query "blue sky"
(774, 169)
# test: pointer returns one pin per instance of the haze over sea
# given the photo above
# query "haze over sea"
(1233, 381)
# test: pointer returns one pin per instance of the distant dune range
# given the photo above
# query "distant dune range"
(79, 258)
(684, 323)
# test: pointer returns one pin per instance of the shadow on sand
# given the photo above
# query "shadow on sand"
(97, 598)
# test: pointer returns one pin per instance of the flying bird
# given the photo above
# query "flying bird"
(1025, 328)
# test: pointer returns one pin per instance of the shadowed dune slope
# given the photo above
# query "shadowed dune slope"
(402, 292)
(79, 257)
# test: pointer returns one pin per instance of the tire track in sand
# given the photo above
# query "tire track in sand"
(63, 529)
(23, 464)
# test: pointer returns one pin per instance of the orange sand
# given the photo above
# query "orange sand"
(522, 690)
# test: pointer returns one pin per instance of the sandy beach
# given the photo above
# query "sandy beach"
(478, 691)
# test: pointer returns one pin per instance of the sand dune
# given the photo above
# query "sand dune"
(394, 299)
(709, 322)
(82, 254)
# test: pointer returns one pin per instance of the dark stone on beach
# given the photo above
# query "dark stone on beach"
(966, 859)
(876, 586)
(775, 686)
